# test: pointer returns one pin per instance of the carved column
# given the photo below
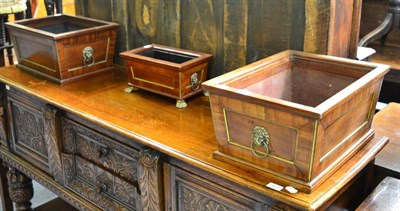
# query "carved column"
(52, 139)
(6, 203)
(20, 188)
(149, 179)
(3, 135)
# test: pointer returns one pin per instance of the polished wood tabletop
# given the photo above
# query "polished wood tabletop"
(387, 123)
(186, 134)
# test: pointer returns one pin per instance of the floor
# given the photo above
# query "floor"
(42, 195)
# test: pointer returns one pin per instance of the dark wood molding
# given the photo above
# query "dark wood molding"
(52, 136)
(150, 179)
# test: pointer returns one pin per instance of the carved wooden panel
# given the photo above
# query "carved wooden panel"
(29, 128)
(98, 185)
(99, 149)
(189, 191)
(52, 137)
(26, 126)
(44, 179)
(3, 129)
(90, 156)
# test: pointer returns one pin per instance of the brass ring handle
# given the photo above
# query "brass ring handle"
(194, 81)
(88, 58)
(261, 140)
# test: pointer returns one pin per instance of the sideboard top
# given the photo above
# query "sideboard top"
(153, 120)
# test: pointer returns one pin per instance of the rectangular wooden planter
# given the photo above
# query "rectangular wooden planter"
(63, 48)
(172, 72)
(295, 115)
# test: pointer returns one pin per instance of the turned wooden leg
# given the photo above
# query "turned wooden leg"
(49, 4)
(20, 188)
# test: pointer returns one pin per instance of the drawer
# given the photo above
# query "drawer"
(26, 125)
(113, 171)
(194, 189)
(99, 149)
(101, 187)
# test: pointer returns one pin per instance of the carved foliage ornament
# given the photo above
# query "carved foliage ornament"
(3, 135)
(193, 200)
(82, 141)
(148, 178)
(51, 136)
(20, 188)
(29, 129)
(97, 185)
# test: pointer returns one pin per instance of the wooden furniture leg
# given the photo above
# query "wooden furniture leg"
(58, 4)
(50, 4)
(5, 42)
(3, 19)
(20, 188)
(7, 204)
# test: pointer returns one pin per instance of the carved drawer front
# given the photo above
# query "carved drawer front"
(27, 128)
(99, 168)
(99, 149)
(188, 191)
(98, 185)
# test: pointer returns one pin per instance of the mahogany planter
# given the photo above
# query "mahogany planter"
(295, 116)
(63, 48)
(172, 72)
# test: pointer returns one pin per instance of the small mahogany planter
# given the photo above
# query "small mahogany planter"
(63, 48)
(295, 116)
(172, 72)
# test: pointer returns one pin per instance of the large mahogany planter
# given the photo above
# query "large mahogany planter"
(63, 48)
(172, 72)
(295, 116)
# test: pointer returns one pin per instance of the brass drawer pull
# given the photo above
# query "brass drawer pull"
(261, 141)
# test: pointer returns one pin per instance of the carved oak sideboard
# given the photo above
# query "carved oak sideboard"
(100, 148)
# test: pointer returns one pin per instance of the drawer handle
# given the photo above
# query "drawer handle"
(103, 152)
(194, 81)
(261, 141)
(88, 58)
(101, 187)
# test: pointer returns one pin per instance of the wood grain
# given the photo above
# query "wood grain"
(234, 32)
(341, 22)
(54, 46)
(185, 134)
(309, 133)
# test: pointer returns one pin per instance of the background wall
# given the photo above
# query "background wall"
(68, 8)
(236, 32)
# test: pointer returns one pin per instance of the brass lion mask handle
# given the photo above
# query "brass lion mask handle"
(88, 58)
(194, 81)
(260, 141)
